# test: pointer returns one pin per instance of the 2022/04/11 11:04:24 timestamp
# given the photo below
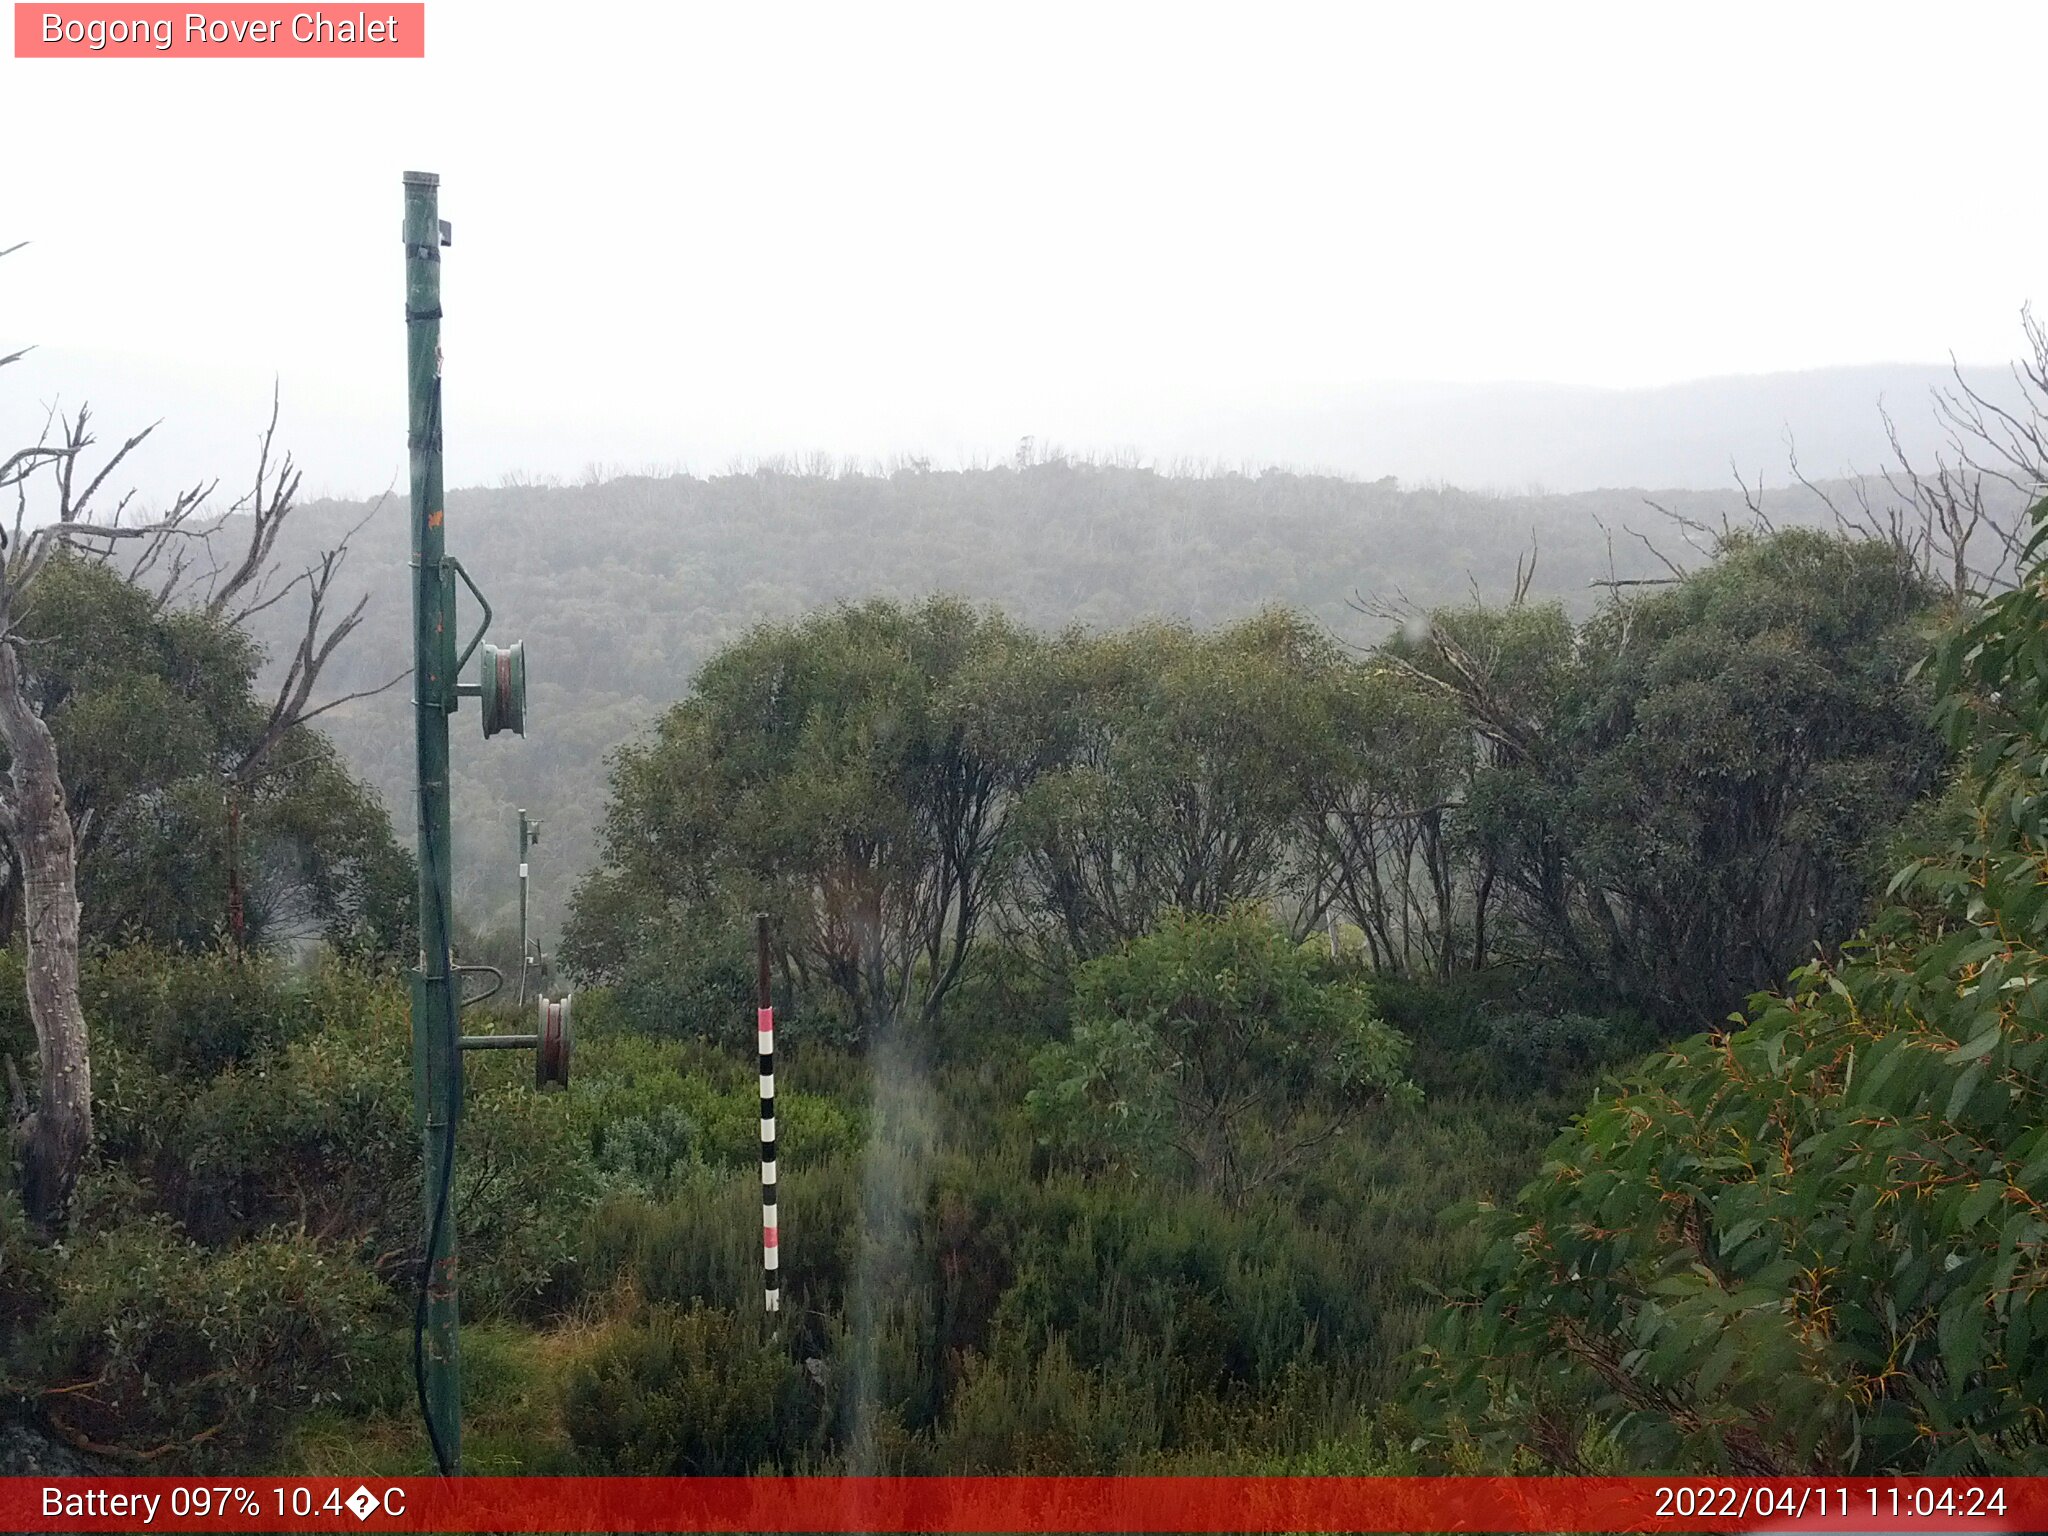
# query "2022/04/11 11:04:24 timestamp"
(1737, 1501)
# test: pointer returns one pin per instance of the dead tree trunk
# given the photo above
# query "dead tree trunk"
(56, 1133)
(237, 926)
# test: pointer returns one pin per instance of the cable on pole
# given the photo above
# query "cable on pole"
(443, 1197)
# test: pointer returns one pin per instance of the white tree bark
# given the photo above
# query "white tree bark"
(55, 1135)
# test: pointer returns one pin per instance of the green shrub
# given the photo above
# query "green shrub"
(990, 1283)
(647, 1107)
(1547, 1049)
(1215, 1044)
(28, 1276)
(652, 1152)
(1051, 1418)
(313, 1133)
(315, 1136)
(690, 1393)
(1511, 1034)
(1134, 1325)
(704, 1243)
(1219, 1296)
(153, 1342)
(689, 983)
(524, 1183)
(190, 1014)
(1005, 1005)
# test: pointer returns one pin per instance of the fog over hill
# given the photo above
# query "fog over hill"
(620, 589)
(1551, 437)
(622, 583)
(1500, 436)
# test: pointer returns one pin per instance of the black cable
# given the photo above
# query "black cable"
(442, 1460)
(443, 1195)
(443, 1198)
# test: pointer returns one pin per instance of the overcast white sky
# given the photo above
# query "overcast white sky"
(685, 232)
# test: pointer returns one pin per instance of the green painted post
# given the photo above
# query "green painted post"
(436, 1058)
(528, 836)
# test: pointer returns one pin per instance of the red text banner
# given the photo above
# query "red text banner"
(226, 31)
(1019, 1504)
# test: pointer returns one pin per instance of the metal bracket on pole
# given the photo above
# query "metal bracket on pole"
(482, 625)
(497, 984)
(550, 1044)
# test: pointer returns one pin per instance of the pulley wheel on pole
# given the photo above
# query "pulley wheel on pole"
(503, 687)
(551, 1053)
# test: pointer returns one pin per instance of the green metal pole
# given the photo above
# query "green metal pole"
(437, 1060)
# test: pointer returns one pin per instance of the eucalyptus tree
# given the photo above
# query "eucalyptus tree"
(851, 774)
(1381, 820)
(60, 513)
(1171, 766)
(1742, 747)
(1685, 795)
(1811, 1239)
(152, 710)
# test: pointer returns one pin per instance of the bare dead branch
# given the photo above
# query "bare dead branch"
(270, 502)
(24, 462)
(72, 507)
(1753, 501)
(1524, 574)
(1677, 572)
(1693, 533)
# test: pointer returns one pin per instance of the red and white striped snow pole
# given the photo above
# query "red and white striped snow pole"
(765, 1026)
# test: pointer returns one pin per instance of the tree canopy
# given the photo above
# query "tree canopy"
(1684, 795)
(1669, 804)
(1815, 1240)
(153, 708)
(1219, 1042)
(847, 776)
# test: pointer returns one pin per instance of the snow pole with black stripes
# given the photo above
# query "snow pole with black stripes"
(764, 1020)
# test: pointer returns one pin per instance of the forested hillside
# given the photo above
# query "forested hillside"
(1184, 954)
(622, 589)
(1192, 904)
(1161, 1003)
